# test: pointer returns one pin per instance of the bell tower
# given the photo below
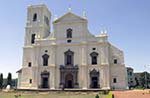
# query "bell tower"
(38, 23)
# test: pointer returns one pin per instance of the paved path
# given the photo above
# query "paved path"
(132, 94)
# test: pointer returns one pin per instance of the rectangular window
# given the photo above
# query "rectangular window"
(29, 64)
(115, 61)
(30, 81)
(114, 80)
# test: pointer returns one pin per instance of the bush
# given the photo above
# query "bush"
(110, 95)
(139, 87)
(97, 96)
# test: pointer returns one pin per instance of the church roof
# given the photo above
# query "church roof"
(69, 13)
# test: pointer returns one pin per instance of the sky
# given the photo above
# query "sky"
(127, 23)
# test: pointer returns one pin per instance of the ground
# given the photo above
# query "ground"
(117, 94)
(132, 94)
(50, 95)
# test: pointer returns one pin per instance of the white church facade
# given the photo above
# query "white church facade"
(69, 56)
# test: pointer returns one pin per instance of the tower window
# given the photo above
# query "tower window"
(33, 38)
(69, 33)
(29, 64)
(45, 59)
(115, 61)
(35, 17)
(114, 80)
(30, 81)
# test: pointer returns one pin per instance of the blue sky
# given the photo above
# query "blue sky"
(127, 22)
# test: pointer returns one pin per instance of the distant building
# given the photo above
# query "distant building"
(13, 83)
(131, 78)
(137, 79)
(142, 79)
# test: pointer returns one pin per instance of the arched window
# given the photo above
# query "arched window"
(114, 80)
(94, 56)
(69, 33)
(45, 59)
(35, 17)
(69, 57)
(33, 38)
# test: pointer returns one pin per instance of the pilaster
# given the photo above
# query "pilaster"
(52, 77)
(106, 77)
(83, 77)
(84, 67)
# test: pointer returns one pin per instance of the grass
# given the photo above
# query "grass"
(50, 95)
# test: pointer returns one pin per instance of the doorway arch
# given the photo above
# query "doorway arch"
(94, 77)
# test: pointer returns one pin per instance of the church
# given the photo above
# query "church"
(69, 56)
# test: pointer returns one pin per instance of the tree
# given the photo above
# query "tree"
(137, 82)
(1, 81)
(9, 79)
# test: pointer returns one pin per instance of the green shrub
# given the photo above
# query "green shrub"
(110, 95)
(97, 96)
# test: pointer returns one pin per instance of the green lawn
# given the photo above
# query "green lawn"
(50, 95)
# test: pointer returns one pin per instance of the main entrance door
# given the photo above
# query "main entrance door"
(69, 71)
(69, 81)
(94, 75)
(94, 82)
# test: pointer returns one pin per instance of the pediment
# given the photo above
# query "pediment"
(69, 17)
